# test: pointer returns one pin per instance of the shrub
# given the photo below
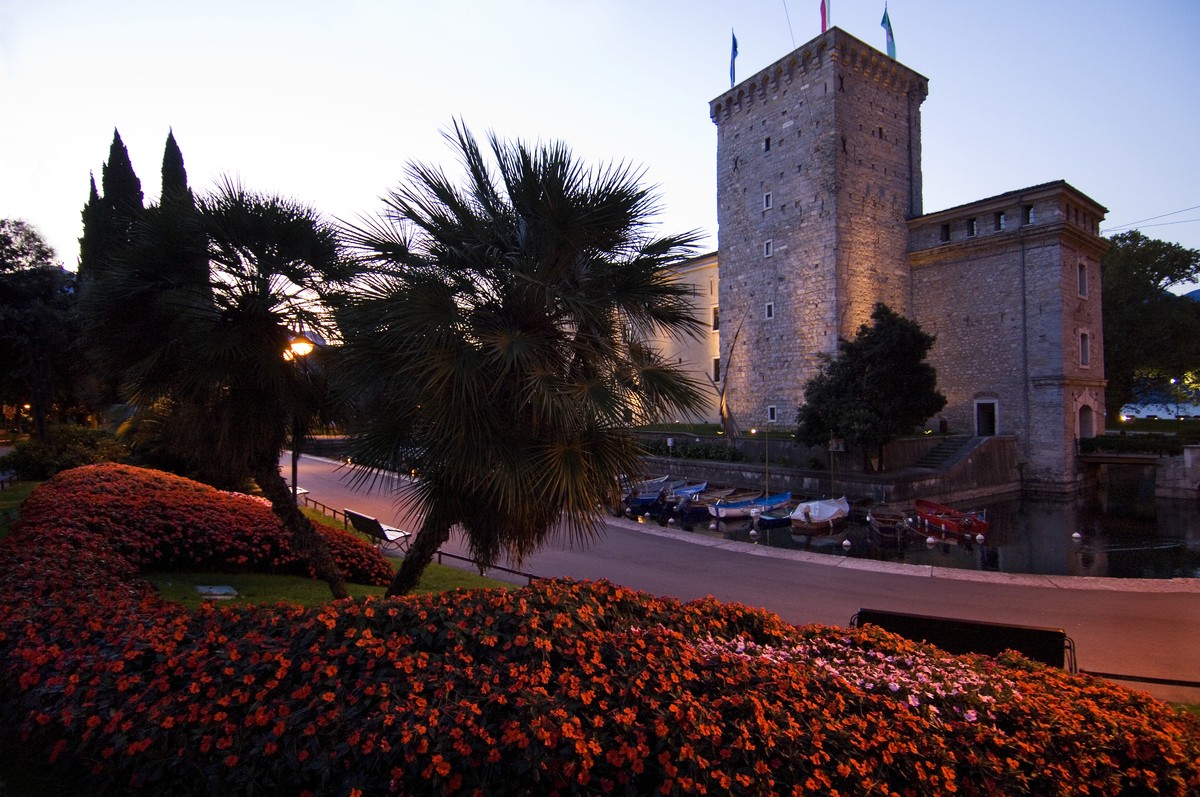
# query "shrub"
(683, 449)
(68, 447)
(560, 687)
(159, 521)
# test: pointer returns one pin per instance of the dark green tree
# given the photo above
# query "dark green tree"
(175, 188)
(207, 355)
(37, 325)
(109, 216)
(876, 389)
(178, 205)
(498, 351)
(1151, 336)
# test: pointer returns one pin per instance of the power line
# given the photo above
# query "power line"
(1148, 226)
(788, 17)
(1152, 218)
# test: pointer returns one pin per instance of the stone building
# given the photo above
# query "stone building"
(820, 214)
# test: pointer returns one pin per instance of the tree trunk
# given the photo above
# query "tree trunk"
(305, 539)
(424, 546)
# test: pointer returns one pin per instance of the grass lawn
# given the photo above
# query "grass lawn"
(254, 588)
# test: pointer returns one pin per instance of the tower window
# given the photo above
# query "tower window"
(1083, 280)
(770, 310)
(1085, 349)
(1001, 221)
(945, 233)
(716, 318)
(768, 248)
(767, 201)
(771, 414)
(1027, 214)
(972, 228)
(767, 144)
(716, 372)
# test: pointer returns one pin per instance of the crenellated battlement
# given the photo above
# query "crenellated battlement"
(835, 46)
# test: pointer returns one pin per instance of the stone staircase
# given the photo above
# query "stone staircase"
(937, 456)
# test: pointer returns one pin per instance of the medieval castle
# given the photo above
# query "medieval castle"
(820, 216)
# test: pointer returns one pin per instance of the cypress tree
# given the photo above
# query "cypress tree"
(175, 189)
(185, 243)
(122, 197)
(91, 243)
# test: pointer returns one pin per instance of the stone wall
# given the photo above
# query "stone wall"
(1179, 477)
(1010, 286)
(818, 164)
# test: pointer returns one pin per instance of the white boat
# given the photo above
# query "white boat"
(820, 515)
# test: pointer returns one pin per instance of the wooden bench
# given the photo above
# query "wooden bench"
(387, 538)
(1046, 645)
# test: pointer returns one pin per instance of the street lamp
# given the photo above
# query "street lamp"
(299, 347)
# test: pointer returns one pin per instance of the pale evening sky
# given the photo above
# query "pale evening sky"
(327, 102)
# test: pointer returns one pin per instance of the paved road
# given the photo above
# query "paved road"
(1137, 628)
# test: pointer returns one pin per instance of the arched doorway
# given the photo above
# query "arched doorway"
(1087, 422)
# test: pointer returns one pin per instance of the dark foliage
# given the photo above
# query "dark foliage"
(1151, 336)
(878, 388)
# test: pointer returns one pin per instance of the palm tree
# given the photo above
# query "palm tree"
(205, 350)
(497, 346)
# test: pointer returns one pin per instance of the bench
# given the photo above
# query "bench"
(7, 478)
(1049, 646)
(387, 538)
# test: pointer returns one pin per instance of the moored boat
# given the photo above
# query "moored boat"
(820, 515)
(888, 523)
(949, 522)
(725, 509)
(646, 493)
(691, 490)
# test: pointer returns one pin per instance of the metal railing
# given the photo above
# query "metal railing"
(338, 514)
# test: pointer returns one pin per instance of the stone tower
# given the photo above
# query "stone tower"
(818, 173)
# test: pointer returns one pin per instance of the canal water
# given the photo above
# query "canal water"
(1119, 530)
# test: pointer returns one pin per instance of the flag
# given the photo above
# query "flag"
(732, 58)
(825, 4)
(887, 26)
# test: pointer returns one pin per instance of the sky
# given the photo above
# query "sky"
(328, 102)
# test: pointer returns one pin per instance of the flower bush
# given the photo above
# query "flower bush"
(561, 687)
(158, 521)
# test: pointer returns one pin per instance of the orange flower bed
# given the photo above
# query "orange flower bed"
(158, 521)
(561, 687)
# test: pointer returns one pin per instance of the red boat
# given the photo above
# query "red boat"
(949, 522)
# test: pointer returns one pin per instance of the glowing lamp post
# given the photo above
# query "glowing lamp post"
(298, 348)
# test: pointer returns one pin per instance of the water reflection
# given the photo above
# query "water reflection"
(1117, 531)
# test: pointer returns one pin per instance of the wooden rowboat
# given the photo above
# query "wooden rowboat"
(725, 509)
(948, 522)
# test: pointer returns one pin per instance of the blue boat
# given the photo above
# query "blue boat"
(645, 494)
(750, 506)
(690, 490)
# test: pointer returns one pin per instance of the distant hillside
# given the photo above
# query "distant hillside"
(1193, 294)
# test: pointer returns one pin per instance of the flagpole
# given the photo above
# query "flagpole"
(732, 57)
